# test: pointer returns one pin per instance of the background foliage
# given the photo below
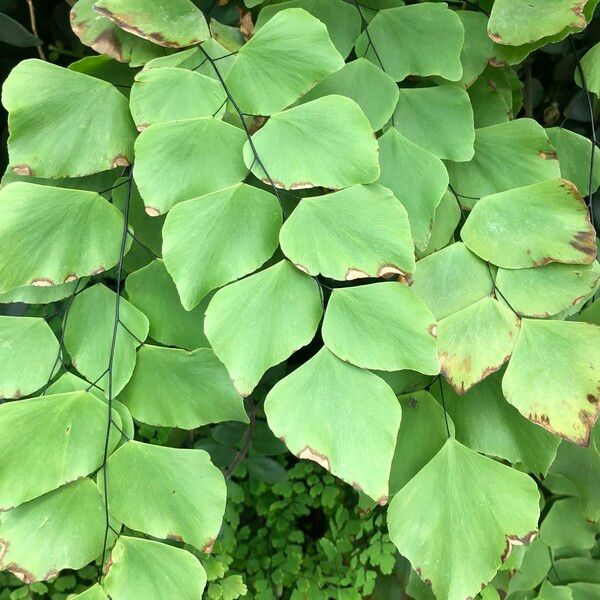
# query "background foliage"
(414, 310)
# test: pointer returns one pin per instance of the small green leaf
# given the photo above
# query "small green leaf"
(14, 34)
(93, 593)
(29, 353)
(151, 570)
(258, 322)
(362, 231)
(457, 501)
(168, 493)
(344, 418)
(324, 143)
(176, 388)
(553, 377)
(565, 525)
(589, 64)
(176, 24)
(217, 238)
(447, 218)
(382, 326)
(50, 107)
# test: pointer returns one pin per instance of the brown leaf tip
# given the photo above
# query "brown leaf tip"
(120, 161)
(24, 170)
(515, 540)
(42, 282)
(208, 548)
(352, 274)
(309, 454)
(152, 212)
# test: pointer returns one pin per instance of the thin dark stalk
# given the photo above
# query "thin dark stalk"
(111, 360)
(34, 29)
(247, 440)
(444, 405)
(143, 246)
(498, 291)
(457, 195)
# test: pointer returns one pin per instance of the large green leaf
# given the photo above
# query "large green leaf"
(416, 177)
(486, 422)
(589, 64)
(50, 235)
(171, 94)
(168, 493)
(89, 334)
(507, 155)
(373, 90)
(324, 143)
(545, 291)
(514, 23)
(362, 231)
(217, 238)
(152, 290)
(476, 341)
(63, 529)
(173, 24)
(574, 152)
(285, 58)
(500, 227)
(176, 388)
(447, 106)
(424, 39)
(451, 279)
(50, 107)
(154, 571)
(565, 525)
(341, 18)
(459, 517)
(105, 37)
(383, 326)
(54, 439)
(28, 355)
(420, 412)
(258, 322)
(205, 145)
(553, 377)
(344, 418)
(581, 466)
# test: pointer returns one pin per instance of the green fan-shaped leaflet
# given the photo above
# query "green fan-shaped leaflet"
(171, 387)
(451, 279)
(28, 355)
(50, 236)
(507, 155)
(476, 341)
(447, 218)
(152, 290)
(490, 97)
(545, 291)
(362, 231)
(95, 592)
(574, 152)
(324, 143)
(514, 23)
(591, 70)
(457, 520)
(54, 439)
(536, 563)
(50, 107)
(373, 90)
(107, 69)
(477, 47)
(341, 18)
(424, 39)
(171, 94)
(420, 413)
(565, 525)
(63, 529)
(33, 294)
(532, 226)
(344, 418)
(285, 58)
(105, 37)
(168, 493)
(68, 382)
(170, 23)
(416, 177)
(258, 322)
(204, 145)
(487, 423)
(580, 569)
(553, 377)
(581, 466)
(89, 333)
(154, 571)
(383, 326)
(217, 238)
(439, 119)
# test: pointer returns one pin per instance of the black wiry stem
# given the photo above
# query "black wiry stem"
(247, 441)
(111, 360)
